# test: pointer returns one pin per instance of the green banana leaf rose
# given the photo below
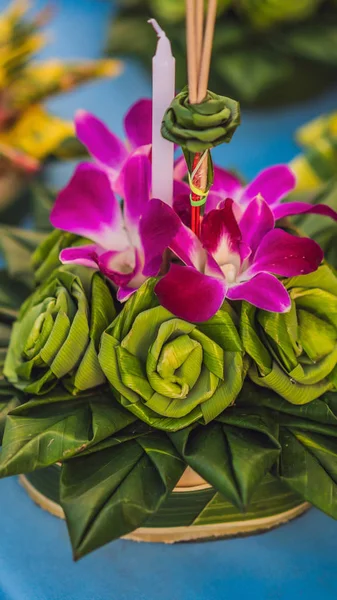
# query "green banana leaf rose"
(45, 259)
(58, 332)
(295, 353)
(169, 372)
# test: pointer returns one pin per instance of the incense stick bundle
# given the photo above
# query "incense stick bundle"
(199, 51)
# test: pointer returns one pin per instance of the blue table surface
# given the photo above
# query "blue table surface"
(298, 560)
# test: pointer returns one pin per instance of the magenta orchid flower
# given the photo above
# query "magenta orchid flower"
(110, 152)
(127, 246)
(236, 257)
(273, 184)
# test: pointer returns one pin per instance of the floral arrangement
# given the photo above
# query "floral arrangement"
(161, 342)
(252, 37)
(29, 134)
(150, 349)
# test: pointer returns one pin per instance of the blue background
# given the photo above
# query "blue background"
(298, 560)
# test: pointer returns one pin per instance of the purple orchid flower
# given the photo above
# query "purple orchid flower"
(126, 246)
(111, 153)
(237, 256)
(273, 184)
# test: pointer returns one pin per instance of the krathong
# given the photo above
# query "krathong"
(173, 376)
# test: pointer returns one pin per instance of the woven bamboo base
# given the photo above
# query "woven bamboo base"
(169, 535)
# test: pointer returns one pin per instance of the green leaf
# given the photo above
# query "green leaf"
(308, 465)
(322, 411)
(16, 247)
(9, 399)
(205, 450)
(110, 493)
(234, 454)
(317, 41)
(44, 431)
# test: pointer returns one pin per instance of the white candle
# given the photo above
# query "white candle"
(163, 92)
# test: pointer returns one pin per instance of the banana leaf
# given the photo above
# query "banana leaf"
(308, 439)
(57, 427)
(112, 492)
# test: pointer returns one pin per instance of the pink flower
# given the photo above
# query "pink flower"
(237, 257)
(127, 246)
(273, 184)
(111, 153)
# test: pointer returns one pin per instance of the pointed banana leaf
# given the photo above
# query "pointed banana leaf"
(308, 439)
(110, 493)
(233, 455)
(44, 431)
(308, 465)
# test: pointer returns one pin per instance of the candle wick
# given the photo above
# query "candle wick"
(159, 31)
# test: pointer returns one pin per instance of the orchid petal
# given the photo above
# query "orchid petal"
(272, 184)
(190, 295)
(120, 267)
(124, 293)
(220, 234)
(181, 188)
(213, 201)
(226, 183)
(256, 221)
(287, 209)
(87, 206)
(264, 291)
(286, 255)
(118, 179)
(187, 246)
(80, 255)
(101, 143)
(138, 123)
(136, 191)
(158, 226)
(212, 268)
(181, 202)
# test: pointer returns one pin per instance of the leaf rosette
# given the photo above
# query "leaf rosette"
(295, 353)
(167, 371)
(58, 331)
(198, 127)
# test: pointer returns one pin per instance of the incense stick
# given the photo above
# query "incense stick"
(192, 66)
(199, 25)
(199, 51)
(207, 50)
